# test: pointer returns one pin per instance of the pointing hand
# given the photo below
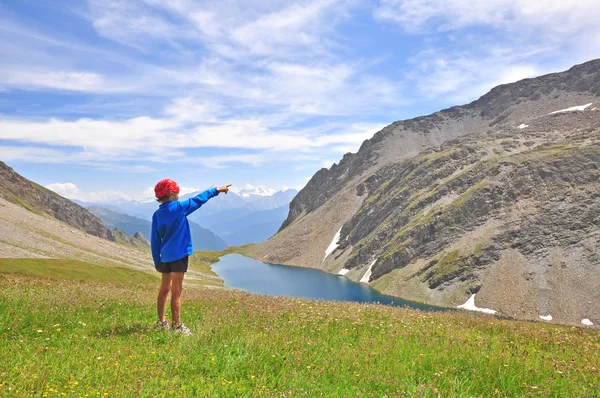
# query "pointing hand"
(224, 188)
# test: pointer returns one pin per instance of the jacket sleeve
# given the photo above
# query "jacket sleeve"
(191, 205)
(155, 243)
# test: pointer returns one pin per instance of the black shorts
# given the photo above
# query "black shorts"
(180, 265)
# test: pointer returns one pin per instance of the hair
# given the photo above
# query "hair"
(167, 198)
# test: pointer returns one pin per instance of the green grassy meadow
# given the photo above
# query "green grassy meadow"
(74, 329)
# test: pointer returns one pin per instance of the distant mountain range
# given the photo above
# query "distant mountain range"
(202, 239)
(249, 215)
(254, 227)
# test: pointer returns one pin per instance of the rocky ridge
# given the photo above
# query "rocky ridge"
(123, 237)
(40, 200)
(140, 236)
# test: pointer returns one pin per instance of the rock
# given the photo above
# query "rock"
(140, 236)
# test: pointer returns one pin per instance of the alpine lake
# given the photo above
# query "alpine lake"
(250, 275)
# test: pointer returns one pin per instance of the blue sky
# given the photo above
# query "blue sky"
(102, 98)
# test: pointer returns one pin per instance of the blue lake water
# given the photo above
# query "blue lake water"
(254, 276)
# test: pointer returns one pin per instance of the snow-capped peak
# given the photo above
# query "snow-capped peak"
(249, 190)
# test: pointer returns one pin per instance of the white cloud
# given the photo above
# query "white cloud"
(190, 110)
(60, 80)
(552, 18)
(30, 154)
(225, 161)
(71, 191)
(67, 189)
(161, 139)
(132, 23)
(462, 77)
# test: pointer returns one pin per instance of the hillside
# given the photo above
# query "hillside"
(37, 199)
(202, 238)
(25, 234)
(498, 213)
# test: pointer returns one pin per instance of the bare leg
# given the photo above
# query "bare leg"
(161, 301)
(176, 287)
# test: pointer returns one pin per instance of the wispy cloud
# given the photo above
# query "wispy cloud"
(476, 45)
(61, 80)
(551, 19)
(461, 76)
(72, 191)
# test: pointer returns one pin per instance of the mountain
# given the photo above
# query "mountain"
(244, 202)
(123, 237)
(114, 219)
(240, 204)
(245, 219)
(142, 238)
(254, 227)
(497, 198)
(202, 239)
(37, 199)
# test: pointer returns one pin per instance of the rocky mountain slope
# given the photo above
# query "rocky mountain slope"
(19, 190)
(498, 197)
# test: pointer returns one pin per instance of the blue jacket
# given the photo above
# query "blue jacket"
(171, 238)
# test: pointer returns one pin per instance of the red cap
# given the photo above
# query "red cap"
(165, 187)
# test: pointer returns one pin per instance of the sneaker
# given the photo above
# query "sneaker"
(182, 329)
(161, 324)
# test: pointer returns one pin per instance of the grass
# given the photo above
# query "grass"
(91, 335)
(73, 270)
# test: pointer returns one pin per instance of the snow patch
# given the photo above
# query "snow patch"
(522, 126)
(367, 275)
(343, 271)
(470, 305)
(546, 317)
(251, 190)
(333, 245)
(594, 109)
(573, 108)
(586, 322)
